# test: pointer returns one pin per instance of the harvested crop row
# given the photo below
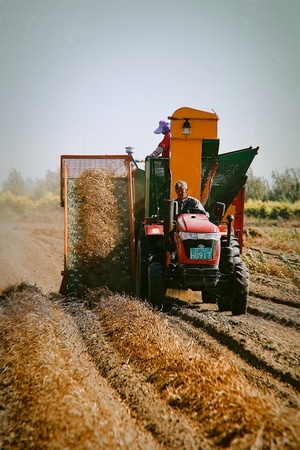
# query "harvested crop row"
(201, 384)
(170, 428)
(51, 394)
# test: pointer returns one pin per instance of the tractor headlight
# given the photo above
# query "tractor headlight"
(205, 236)
(184, 236)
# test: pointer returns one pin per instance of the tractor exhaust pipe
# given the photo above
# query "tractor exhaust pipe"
(168, 222)
(230, 220)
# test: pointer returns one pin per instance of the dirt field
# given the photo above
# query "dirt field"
(109, 371)
(31, 249)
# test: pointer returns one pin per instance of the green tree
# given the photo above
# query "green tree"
(50, 183)
(14, 183)
(33, 188)
(29, 186)
(257, 188)
(286, 186)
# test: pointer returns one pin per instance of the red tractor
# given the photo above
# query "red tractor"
(194, 250)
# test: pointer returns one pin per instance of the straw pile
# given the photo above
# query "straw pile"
(101, 220)
(206, 387)
(98, 215)
(51, 395)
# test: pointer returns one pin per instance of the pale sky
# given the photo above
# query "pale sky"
(94, 76)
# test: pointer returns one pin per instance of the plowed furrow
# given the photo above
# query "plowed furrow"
(263, 344)
(287, 395)
(276, 300)
(283, 314)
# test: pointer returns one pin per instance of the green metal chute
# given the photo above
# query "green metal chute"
(230, 175)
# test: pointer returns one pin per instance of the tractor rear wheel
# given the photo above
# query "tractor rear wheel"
(224, 302)
(235, 247)
(209, 296)
(236, 296)
(241, 289)
(142, 268)
(156, 289)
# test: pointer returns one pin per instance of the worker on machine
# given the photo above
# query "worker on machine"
(186, 203)
(163, 147)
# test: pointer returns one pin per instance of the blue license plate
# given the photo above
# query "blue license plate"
(201, 253)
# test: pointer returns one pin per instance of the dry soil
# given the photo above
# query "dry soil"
(109, 371)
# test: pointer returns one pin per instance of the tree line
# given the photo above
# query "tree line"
(284, 187)
(36, 188)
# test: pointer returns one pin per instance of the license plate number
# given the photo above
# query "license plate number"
(201, 253)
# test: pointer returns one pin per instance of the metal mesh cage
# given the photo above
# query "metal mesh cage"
(157, 185)
(115, 269)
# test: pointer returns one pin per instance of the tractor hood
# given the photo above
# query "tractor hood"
(195, 223)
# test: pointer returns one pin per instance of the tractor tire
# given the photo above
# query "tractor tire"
(236, 247)
(224, 303)
(236, 295)
(241, 289)
(209, 297)
(142, 269)
(156, 289)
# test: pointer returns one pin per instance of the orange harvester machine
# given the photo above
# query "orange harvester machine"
(211, 176)
(141, 192)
